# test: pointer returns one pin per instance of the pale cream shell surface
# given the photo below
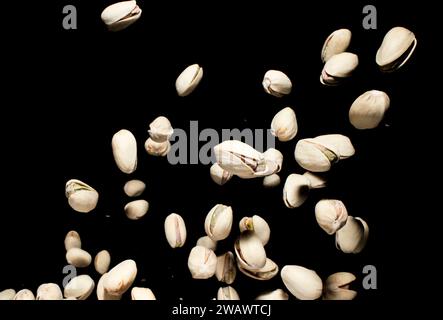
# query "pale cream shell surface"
(395, 43)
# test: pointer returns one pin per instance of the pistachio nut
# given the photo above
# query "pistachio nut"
(175, 230)
(102, 294)
(274, 160)
(120, 278)
(121, 15)
(72, 240)
(342, 144)
(78, 257)
(81, 197)
(368, 110)
(79, 287)
(258, 225)
(271, 181)
(277, 83)
(124, 149)
(284, 125)
(49, 291)
(102, 261)
(331, 215)
(202, 262)
(24, 294)
(136, 209)
(303, 283)
(337, 287)
(277, 294)
(295, 190)
(134, 188)
(157, 149)
(249, 251)
(7, 294)
(352, 237)
(218, 222)
(188, 80)
(337, 42)
(160, 130)
(316, 181)
(219, 175)
(207, 243)
(226, 269)
(269, 271)
(397, 47)
(227, 293)
(138, 293)
(338, 67)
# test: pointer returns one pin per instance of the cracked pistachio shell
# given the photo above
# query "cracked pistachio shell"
(397, 47)
(121, 15)
(316, 180)
(337, 42)
(157, 149)
(368, 110)
(274, 160)
(218, 222)
(271, 181)
(303, 283)
(295, 190)
(49, 291)
(134, 188)
(338, 142)
(277, 83)
(277, 294)
(24, 294)
(338, 67)
(102, 294)
(78, 257)
(258, 225)
(284, 125)
(72, 240)
(202, 262)
(314, 156)
(188, 80)
(269, 271)
(81, 197)
(249, 251)
(331, 215)
(175, 230)
(207, 243)
(227, 293)
(124, 149)
(136, 209)
(160, 130)
(352, 237)
(219, 175)
(102, 261)
(79, 287)
(138, 293)
(120, 278)
(337, 287)
(7, 294)
(226, 269)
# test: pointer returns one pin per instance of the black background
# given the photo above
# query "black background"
(72, 90)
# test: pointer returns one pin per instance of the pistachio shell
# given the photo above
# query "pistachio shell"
(218, 222)
(102, 261)
(227, 293)
(7, 294)
(157, 149)
(258, 225)
(120, 278)
(331, 215)
(202, 262)
(284, 125)
(338, 67)
(337, 287)
(124, 149)
(277, 294)
(316, 180)
(136, 209)
(49, 291)
(81, 197)
(277, 83)
(79, 287)
(296, 190)
(134, 188)
(78, 257)
(175, 230)
(337, 42)
(313, 156)
(269, 271)
(72, 240)
(207, 243)
(188, 80)
(303, 283)
(368, 110)
(352, 237)
(102, 294)
(338, 142)
(138, 293)
(271, 181)
(249, 251)
(24, 294)
(160, 130)
(121, 15)
(226, 270)
(219, 175)
(274, 160)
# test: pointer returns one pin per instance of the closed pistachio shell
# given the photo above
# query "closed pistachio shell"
(121, 15)
(24, 294)
(78, 257)
(218, 222)
(157, 149)
(219, 175)
(102, 261)
(284, 125)
(79, 287)
(337, 42)
(249, 251)
(134, 188)
(316, 180)
(303, 283)
(227, 293)
(397, 47)
(175, 230)
(81, 197)
(331, 215)
(120, 278)
(207, 243)
(368, 110)
(226, 269)
(136, 209)
(295, 190)
(267, 272)
(337, 287)
(342, 144)
(352, 237)
(274, 160)
(72, 240)
(313, 156)
(338, 67)
(202, 262)
(258, 225)
(277, 294)
(102, 294)
(7, 294)
(138, 293)
(160, 130)
(49, 291)
(271, 181)
(277, 83)
(188, 80)
(124, 149)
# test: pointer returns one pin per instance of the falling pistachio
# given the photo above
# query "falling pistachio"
(338, 67)
(337, 287)
(24, 294)
(218, 222)
(72, 240)
(227, 293)
(219, 175)
(331, 215)
(303, 283)
(277, 83)
(274, 159)
(337, 42)
(49, 291)
(136, 209)
(102, 261)
(284, 125)
(78, 257)
(271, 181)
(188, 80)
(81, 197)
(267, 272)
(368, 110)
(124, 149)
(160, 130)
(138, 293)
(258, 225)
(175, 230)
(316, 181)
(79, 287)
(352, 237)
(202, 263)
(134, 188)
(157, 149)
(296, 190)
(226, 270)
(102, 293)
(121, 15)
(120, 278)
(249, 251)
